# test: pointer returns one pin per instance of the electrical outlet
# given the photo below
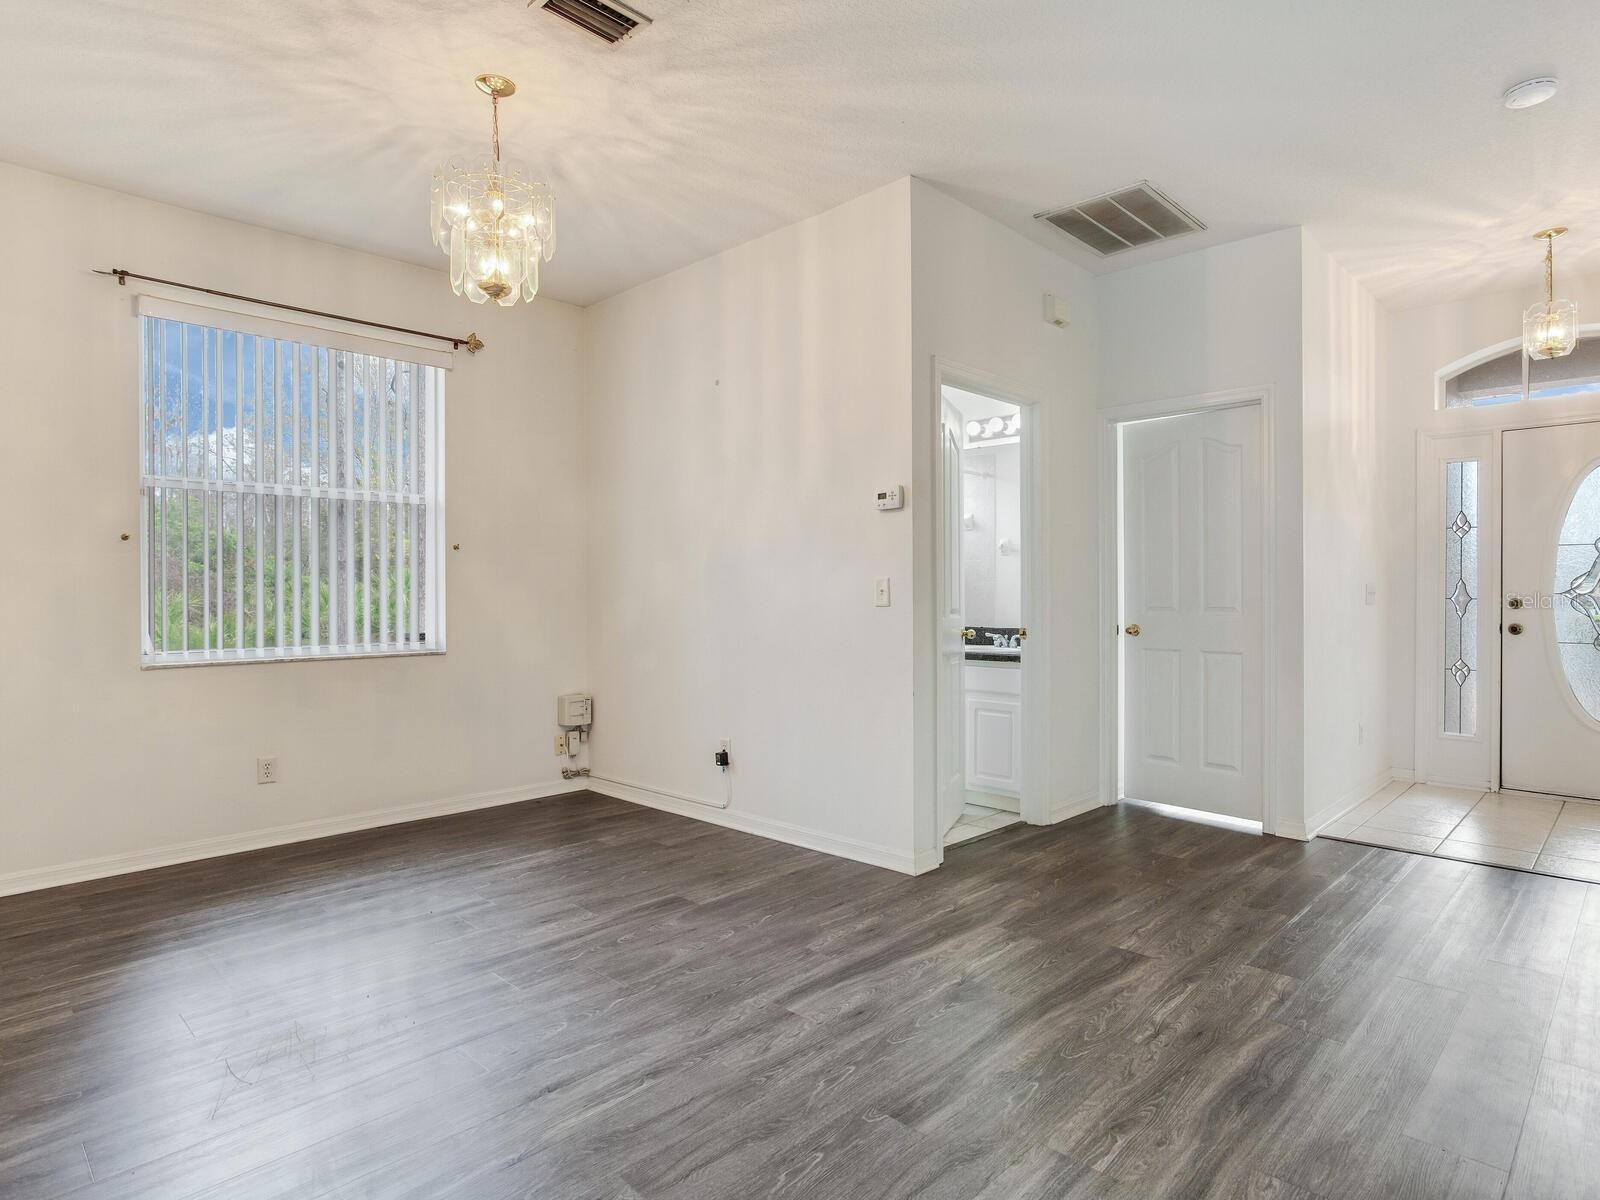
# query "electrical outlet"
(561, 745)
(267, 770)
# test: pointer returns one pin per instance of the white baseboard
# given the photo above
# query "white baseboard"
(1404, 775)
(38, 878)
(767, 827)
(1359, 794)
(1068, 807)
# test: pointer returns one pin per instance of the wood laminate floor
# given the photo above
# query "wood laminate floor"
(584, 999)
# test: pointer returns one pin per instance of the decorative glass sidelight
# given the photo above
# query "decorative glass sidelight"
(1460, 613)
(1577, 593)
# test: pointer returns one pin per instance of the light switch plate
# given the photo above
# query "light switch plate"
(881, 594)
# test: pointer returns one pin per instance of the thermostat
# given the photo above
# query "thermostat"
(890, 497)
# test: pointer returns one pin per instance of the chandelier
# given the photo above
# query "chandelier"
(493, 219)
(1550, 329)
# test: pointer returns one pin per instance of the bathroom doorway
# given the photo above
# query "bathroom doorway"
(983, 629)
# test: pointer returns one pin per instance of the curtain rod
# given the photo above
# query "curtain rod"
(472, 343)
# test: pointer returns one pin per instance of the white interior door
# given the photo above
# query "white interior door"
(1550, 641)
(1191, 611)
(951, 697)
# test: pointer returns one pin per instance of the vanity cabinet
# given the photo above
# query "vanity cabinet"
(994, 727)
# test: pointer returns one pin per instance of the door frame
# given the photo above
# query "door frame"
(1035, 800)
(1484, 430)
(1111, 688)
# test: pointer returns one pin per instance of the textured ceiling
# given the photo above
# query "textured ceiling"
(1376, 124)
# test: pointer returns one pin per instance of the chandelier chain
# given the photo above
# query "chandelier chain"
(1549, 269)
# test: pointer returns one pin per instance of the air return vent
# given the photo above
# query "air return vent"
(608, 21)
(1121, 220)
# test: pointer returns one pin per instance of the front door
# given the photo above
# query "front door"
(1550, 620)
(1191, 611)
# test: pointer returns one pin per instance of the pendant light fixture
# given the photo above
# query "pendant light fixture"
(1550, 329)
(494, 220)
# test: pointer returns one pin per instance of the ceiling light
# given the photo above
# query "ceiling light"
(974, 429)
(1529, 92)
(1550, 329)
(494, 220)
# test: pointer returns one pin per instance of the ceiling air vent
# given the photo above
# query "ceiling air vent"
(1121, 220)
(608, 21)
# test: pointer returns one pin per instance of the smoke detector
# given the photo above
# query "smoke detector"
(606, 19)
(1529, 92)
(1120, 220)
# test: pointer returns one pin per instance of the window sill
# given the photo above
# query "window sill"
(223, 658)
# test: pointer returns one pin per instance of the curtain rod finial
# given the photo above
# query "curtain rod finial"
(473, 343)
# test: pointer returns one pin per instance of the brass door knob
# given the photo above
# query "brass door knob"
(1132, 631)
(968, 634)
(1514, 629)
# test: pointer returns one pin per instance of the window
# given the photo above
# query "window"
(1576, 589)
(291, 491)
(1460, 615)
(1512, 376)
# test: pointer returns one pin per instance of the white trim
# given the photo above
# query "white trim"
(38, 878)
(1358, 795)
(629, 785)
(1068, 807)
(778, 831)
(174, 659)
(1272, 821)
(239, 317)
(1036, 698)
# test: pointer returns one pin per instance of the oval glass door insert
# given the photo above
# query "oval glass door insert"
(1577, 594)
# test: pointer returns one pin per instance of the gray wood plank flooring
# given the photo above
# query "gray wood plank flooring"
(582, 998)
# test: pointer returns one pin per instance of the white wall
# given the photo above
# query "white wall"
(1418, 342)
(103, 760)
(977, 300)
(743, 412)
(1222, 319)
(1346, 687)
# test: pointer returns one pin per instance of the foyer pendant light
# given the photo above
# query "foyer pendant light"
(494, 220)
(1550, 329)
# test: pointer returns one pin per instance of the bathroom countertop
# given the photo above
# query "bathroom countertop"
(996, 655)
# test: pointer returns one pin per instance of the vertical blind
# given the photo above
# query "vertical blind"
(291, 504)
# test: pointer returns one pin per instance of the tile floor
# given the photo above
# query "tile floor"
(976, 820)
(1505, 829)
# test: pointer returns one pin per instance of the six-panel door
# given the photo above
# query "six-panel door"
(1191, 611)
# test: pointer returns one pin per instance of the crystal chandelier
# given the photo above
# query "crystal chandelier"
(493, 219)
(1550, 330)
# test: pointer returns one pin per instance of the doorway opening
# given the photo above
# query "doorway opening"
(1189, 615)
(983, 624)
